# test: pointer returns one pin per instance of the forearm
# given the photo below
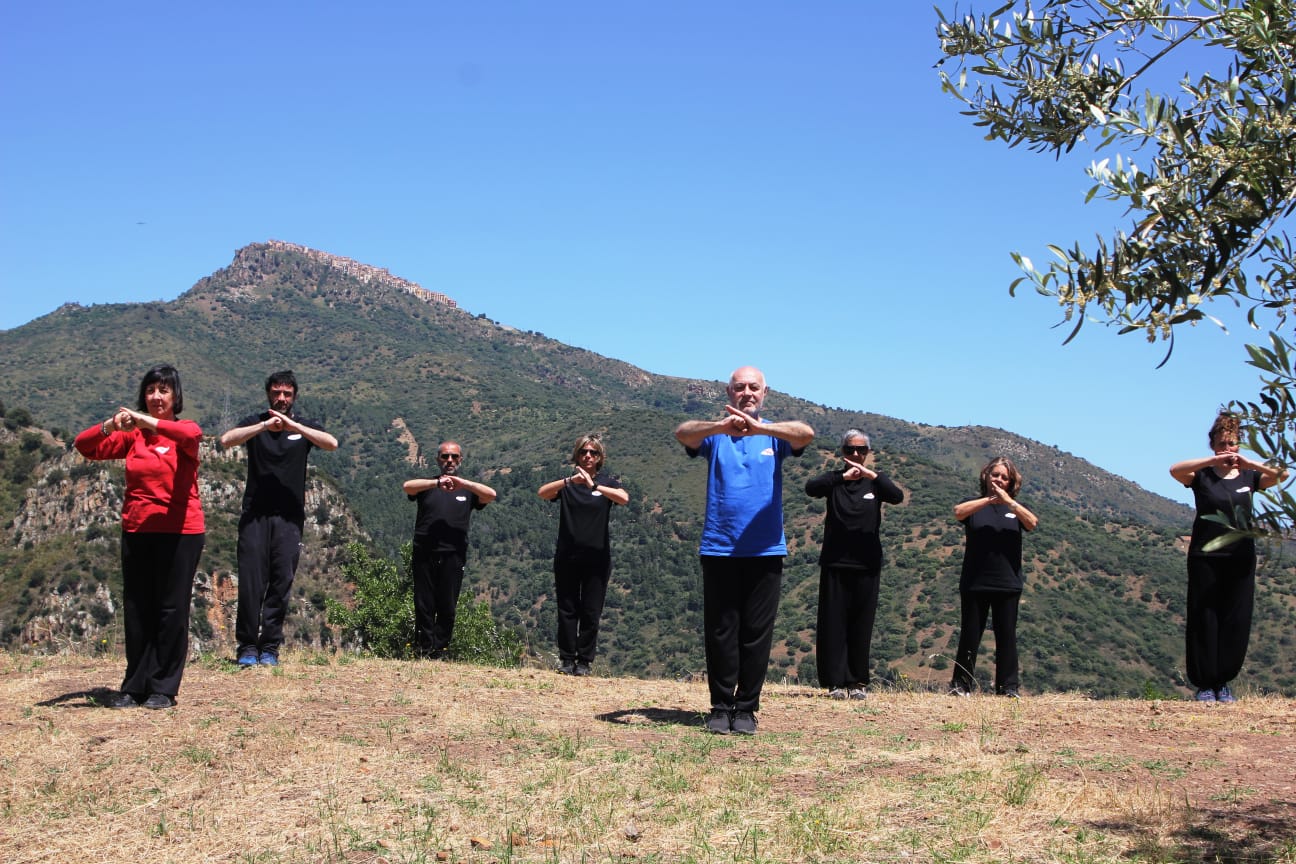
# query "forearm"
(615, 495)
(691, 433)
(795, 432)
(964, 509)
(417, 485)
(550, 490)
(319, 438)
(241, 435)
(484, 493)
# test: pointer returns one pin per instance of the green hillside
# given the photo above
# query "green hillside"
(391, 374)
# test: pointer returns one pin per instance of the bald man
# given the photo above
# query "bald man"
(742, 545)
(445, 506)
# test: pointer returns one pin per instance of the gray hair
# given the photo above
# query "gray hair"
(855, 433)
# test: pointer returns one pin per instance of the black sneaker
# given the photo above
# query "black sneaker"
(719, 721)
(744, 723)
(122, 700)
(582, 670)
(567, 669)
(159, 700)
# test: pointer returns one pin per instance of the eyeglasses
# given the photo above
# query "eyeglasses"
(449, 457)
(855, 451)
(588, 451)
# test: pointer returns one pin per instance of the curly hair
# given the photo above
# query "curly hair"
(1227, 423)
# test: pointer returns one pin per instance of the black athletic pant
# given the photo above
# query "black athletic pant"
(580, 587)
(1221, 595)
(977, 605)
(438, 576)
(740, 598)
(848, 599)
(157, 584)
(268, 550)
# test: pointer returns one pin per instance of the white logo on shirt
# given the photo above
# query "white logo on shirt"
(768, 451)
(1244, 489)
(1010, 515)
(599, 494)
(869, 497)
(162, 449)
(296, 436)
(461, 497)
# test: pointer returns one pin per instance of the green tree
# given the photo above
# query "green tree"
(1207, 171)
(381, 619)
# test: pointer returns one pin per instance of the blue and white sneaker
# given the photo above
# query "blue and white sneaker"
(247, 659)
(1225, 695)
(268, 659)
(1205, 695)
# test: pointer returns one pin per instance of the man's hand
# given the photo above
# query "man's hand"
(739, 422)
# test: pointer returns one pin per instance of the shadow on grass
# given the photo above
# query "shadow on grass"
(644, 716)
(1263, 833)
(96, 697)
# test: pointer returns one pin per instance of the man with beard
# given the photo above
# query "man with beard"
(445, 506)
(742, 545)
(274, 510)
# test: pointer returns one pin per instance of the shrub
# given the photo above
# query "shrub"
(382, 619)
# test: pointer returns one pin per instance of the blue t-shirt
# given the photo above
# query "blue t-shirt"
(744, 509)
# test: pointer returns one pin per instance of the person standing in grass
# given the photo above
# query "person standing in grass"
(742, 546)
(163, 532)
(850, 566)
(583, 557)
(274, 513)
(991, 582)
(1221, 574)
(445, 506)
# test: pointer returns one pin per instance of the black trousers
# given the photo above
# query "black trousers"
(157, 585)
(269, 548)
(740, 598)
(848, 599)
(977, 605)
(580, 587)
(1221, 596)
(438, 577)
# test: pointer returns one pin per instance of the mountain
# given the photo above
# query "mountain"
(392, 368)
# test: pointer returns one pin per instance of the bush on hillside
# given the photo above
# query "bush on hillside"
(381, 621)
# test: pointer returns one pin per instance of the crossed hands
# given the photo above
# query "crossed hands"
(738, 422)
(857, 471)
(279, 421)
(127, 419)
(450, 482)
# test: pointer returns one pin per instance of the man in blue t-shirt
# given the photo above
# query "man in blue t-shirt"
(742, 545)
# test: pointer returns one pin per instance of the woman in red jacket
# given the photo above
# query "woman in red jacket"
(162, 533)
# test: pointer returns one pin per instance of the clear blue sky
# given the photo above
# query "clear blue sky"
(689, 187)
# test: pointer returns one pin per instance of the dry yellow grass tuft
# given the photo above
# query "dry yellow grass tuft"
(368, 760)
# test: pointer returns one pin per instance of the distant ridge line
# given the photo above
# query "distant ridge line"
(366, 273)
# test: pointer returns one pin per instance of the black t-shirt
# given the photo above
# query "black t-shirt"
(993, 556)
(583, 519)
(276, 481)
(443, 518)
(853, 518)
(1228, 498)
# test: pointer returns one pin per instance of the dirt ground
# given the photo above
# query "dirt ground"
(366, 760)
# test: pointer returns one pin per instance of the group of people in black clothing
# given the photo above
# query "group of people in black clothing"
(741, 549)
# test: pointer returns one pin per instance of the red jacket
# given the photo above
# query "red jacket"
(161, 475)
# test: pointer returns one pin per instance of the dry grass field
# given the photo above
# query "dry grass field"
(335, 760)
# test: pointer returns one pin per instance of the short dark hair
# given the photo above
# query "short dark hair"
(168, 375)
(284, 376)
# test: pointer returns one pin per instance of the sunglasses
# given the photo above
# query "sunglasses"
(450, 457)
(855, 451)
(588, 451)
